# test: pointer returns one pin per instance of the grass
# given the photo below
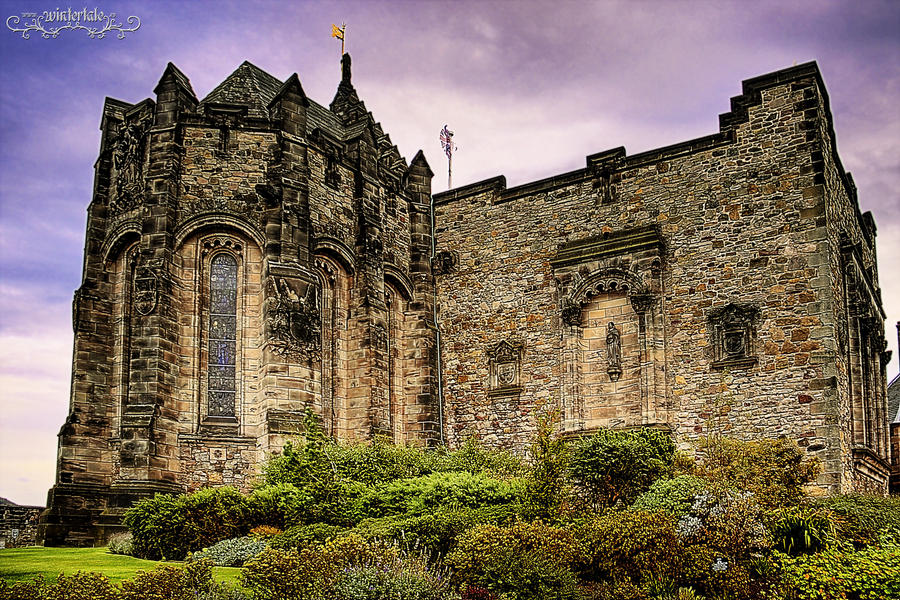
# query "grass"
(18, 564)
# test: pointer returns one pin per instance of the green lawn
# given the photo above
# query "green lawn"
(24, 563)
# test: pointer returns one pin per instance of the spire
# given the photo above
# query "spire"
(345, 70)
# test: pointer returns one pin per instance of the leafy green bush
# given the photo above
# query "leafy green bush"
(843, 574)
(525, 560)
(774, 470)
(802, 529)
(674, 496)
(80, 586)
(233, 552)
(429, 492)
(614, 465)
(406, 576)
(633, 545)
(171, 583)
(121, 543)
(302, 536)
(274, 505)
(865, 519)
(547, 485)
(168, 527)
(438, 530)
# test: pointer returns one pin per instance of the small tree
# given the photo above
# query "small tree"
(612, 466)
(549, 454)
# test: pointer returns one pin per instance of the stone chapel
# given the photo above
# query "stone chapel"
(254, 254)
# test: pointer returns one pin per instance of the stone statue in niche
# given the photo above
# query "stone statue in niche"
(128, 157)
(294, 321)
(613, 351)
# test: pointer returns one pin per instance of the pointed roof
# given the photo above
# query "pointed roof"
(174, 73)
(249, 86)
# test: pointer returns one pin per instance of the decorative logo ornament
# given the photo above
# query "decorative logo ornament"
(146, 290)
(51, 23)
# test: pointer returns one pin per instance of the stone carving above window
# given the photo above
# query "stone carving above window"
(128, 159)
(293, 318)
(733, 332)
(505, 366)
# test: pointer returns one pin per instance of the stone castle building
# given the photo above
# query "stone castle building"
(254, 254)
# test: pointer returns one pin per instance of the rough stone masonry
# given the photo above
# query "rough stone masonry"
(254, 254)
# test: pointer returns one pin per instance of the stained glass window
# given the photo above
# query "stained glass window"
(222, 335)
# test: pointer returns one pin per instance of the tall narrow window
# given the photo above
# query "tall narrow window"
(222, 335)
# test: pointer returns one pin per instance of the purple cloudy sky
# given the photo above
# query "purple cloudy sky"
(529, 87)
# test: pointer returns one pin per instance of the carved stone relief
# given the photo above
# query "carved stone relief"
(505, 366)
(613, 351)
(733, 329)
(128, 159)
(293, 318)
(146, 289)
(443, 262)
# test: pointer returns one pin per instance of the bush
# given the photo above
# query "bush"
(302, 536)
(774, 470)
(673, 496)
(437, 531)
(526, 560)
(429, 492)
(406, 576)
(171, 583)
(842, 573)
(612, 465)
(232, 552)
(274, 505)
(80, 586)
(802, 529)
(636, 546)
(168, 527)
(864, 519)
(546, 485)
(121, 543)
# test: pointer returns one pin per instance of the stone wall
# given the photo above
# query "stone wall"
(18, 525)
(711, 257)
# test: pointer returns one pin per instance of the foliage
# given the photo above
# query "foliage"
(866, 519)
(429, 492)
(170, 583)
(613, 465)
(264, 532)
(631, 545)
(526, 560)
(802, 529)
(121, 543)
(233, 552)
(79, 586)
(478, 593)
(169, 527)
(840, 573)
(438, 530)
(774, 470)
(407, 576)
(274, 505)
(474, 458)
(302, 536)
(673, 496)
(546, 485)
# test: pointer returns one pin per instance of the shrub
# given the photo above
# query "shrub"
(526, 560)
(802, 529)
(437, 531)
(232, 552)
(277, 574)
(474, 458)
(80, 586)
(171, 583)
(274, 505)
(478, 593)
(263, 532)
(121, 543)
(673, 496)
(547, 481)
(612, 466)
(774, 470)
(842, 573)
(406, 576)
(865, 519)
(429, 492)
(637, 546)
(301, 536)
(168, 527)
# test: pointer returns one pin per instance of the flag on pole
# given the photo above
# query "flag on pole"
(447, 142)
(337, 32)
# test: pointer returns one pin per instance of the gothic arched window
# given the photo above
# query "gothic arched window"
(222, 335)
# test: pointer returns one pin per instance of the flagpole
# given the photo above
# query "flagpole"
(450, 171)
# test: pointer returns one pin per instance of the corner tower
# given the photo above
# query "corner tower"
(249, 256)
